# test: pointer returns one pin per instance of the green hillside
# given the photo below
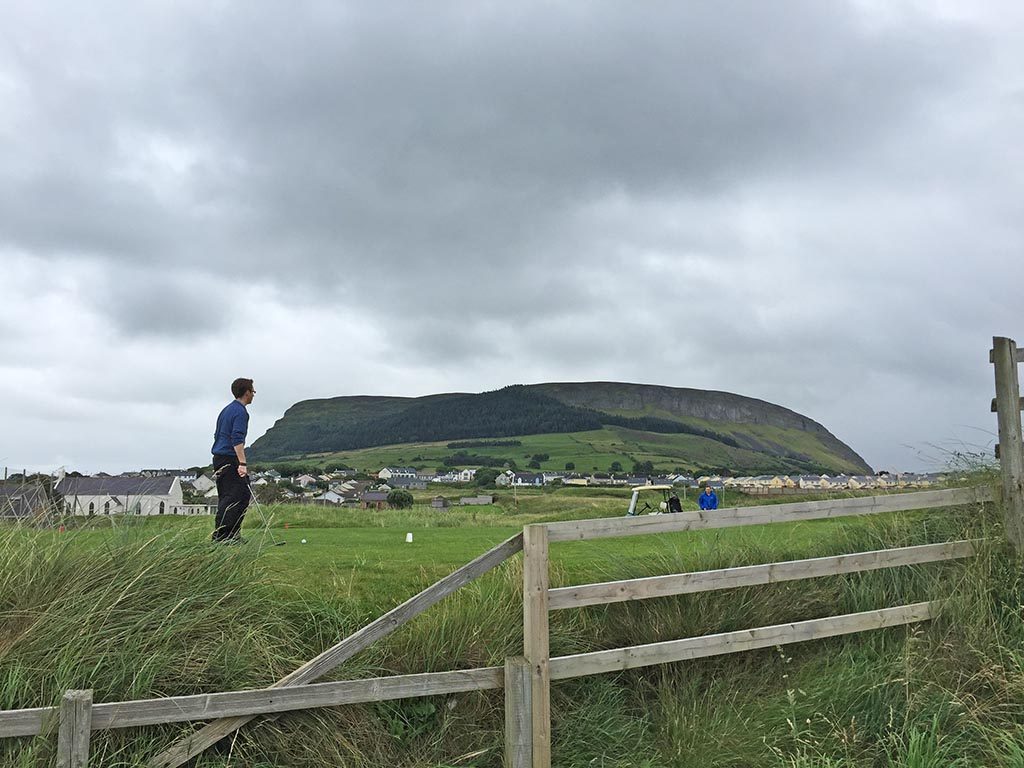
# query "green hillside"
(591, 425)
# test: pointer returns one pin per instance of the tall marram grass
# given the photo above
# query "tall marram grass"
(140, 617)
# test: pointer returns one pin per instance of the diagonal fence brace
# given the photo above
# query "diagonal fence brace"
(188, 747)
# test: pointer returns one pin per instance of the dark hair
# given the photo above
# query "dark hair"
(240, 386)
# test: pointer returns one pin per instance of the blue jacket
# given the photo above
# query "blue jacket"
(232, 425)
(708, 500)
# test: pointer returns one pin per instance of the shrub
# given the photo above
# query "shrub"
(400, 499)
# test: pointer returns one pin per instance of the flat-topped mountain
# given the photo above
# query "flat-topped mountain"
(670, 426)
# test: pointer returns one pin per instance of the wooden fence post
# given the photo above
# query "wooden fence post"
(1011, 452)
(74, 730)
(535, 639)
(518, 724)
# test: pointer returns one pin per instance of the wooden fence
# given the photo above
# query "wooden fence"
(527, 679)
(539, 599)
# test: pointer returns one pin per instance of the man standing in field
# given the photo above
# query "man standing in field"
(229, 466)
(708, 499)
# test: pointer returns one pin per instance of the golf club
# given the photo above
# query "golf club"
(266, 524)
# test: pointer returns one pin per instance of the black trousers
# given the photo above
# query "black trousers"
(232, 498)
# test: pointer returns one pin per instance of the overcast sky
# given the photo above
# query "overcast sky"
(814, 203)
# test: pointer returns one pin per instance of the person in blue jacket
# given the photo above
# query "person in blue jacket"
(708, 499)
(229, 465)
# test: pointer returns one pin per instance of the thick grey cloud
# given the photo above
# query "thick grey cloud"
(805, 203)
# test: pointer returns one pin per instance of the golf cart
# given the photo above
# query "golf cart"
(668, 503)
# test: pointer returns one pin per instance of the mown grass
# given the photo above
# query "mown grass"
(153, 609)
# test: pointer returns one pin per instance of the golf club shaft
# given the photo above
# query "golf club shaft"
(263, 517)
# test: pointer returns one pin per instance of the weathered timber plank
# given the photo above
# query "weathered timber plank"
(995, 404)
(518, 722)
(727, 578)
(291, 698)
(25, 722)
(565, 667)
(535, 639)
(130, 714)
(579, 530)
(1011, 442)
(1019, 355)
(190, 746)
(75, 729)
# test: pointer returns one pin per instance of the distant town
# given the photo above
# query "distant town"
(194, 492)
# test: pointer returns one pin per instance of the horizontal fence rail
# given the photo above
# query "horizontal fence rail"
(129, 714)
(1018, 355)
(597, 662)
(769, 573)
(581, 530)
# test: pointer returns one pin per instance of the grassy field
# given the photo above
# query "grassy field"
(363, 555)
(597, 449)
(149, 607)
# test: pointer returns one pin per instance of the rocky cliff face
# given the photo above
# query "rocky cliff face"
(709, 405)
(694, 403)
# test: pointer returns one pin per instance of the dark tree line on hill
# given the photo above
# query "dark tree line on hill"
(513, 410)
(462, 459)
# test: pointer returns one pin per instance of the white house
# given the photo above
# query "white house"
(185, 475)
(330, 497)
(466, 475)
(203, 483)
(388, 472)
(88, 496)
(527, 478)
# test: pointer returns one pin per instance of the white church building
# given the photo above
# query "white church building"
(87, 496)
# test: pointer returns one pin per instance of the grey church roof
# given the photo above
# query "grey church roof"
(21, 500)
(116, 486)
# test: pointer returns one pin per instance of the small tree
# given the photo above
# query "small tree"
(615, 467)
(533, 464)
(484, 477)
(570, 465)
(400, 499)
(271, 493)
